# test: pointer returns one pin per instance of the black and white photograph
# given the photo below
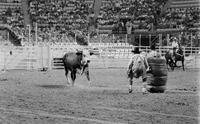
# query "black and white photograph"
(99, 62)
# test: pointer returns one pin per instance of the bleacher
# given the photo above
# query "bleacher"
(184, 4)
(12, 4)
(56, 18)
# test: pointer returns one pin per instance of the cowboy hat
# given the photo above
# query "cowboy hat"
(136, 50)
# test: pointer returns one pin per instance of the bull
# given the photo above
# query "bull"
(74, 61)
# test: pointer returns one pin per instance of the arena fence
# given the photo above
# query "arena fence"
(49, 56)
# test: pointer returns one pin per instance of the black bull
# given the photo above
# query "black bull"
(76, 60)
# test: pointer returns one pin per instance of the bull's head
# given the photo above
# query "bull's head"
(85, 58)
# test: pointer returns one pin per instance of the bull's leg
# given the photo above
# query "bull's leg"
(183, 64)
(172, 65)
(130, 85)
(175, 63)
(73, 76)
(144, 88)
(66, 74)
(87, 74)
(130, 77)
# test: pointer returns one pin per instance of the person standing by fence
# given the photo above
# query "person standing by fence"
(153, 52)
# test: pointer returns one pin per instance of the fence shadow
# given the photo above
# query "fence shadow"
(52, 86)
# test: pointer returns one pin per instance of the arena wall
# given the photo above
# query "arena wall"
(46, 56)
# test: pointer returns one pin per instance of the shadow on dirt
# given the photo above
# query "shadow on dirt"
(3, 79)
(52, 86)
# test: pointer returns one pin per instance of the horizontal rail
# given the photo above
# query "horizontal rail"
(37, 57)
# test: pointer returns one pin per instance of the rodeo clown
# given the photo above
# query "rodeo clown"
(137, 67)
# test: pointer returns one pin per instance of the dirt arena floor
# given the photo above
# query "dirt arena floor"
(35, 97)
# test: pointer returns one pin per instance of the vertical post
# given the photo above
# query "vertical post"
(126, 40)
(22, 39)
(4, 65)
(36, 31)
(100, 40)
(140, 39)
(167, 39)
(179, 37)
(160, 39)
(29, 33)
(88, 38)
(38, 51)
(75, 38)
(147, 49)
(191, 42)
(184, 51)
(49, 58)
(28, 61)
(149, 39)
(160, 43)
(42, 58)
(113, 38)
(8, 38)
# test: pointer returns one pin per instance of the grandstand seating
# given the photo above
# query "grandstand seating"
(13, 4)
(56, 18)
(169, 21)
(184, 4)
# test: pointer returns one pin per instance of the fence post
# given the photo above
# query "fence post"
(4, 65)
(167, 39)
(184, 51)
(75, 39)
(126, 40)
(29, 33)
(42, 57)
(49, 58)
(100, 38)
(38, 57)
(140, 40)
(149, 39)
(191, 43)
(113, 38)
(27, 64)
(160, 50)
(160, 39)
(88, 38)
(36, 31)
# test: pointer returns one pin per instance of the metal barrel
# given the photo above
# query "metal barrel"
(157, 78)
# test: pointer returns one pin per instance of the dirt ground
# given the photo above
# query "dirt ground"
(35, 97)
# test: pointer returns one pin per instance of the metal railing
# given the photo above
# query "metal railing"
(37, 57)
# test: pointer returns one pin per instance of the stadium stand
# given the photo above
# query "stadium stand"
(57, 19)
(184, 4)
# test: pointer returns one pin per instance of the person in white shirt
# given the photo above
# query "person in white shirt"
(137, 67)
(153, 52)
(175, 46)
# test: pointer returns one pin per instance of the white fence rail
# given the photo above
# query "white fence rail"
(39, 57)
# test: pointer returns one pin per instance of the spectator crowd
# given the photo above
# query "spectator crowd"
(57, 18)
(144, 14)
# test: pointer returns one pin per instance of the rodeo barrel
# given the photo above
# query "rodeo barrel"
(157, 78)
